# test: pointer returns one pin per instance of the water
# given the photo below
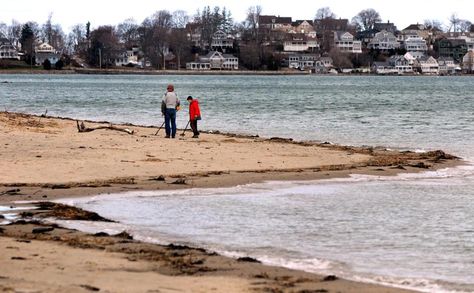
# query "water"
(414, 231)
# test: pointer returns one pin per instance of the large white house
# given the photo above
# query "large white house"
(221, 40)
(415, 44)
(7, 50)
(427, 65)
(299, 42)
(302, 61)
(345, 42)
(214, 60)
(400, 64)
(384, 41)
(447, 66)
(45, 52)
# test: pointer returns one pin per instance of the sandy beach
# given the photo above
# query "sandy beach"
(45, 158)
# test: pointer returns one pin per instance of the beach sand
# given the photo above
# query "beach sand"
(44, 158)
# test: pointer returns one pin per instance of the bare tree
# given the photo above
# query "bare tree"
(47, 30)
(180, 19)
(3, 30)
(324, 13)
(127, 32)
(464, 25)
(434, 24)
(104, 45)
(454, 22)
(340, 60)
(14, 32)
(251, 23)
(366, 19)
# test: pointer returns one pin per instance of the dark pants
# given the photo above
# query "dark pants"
(170, 122)
(194, 126)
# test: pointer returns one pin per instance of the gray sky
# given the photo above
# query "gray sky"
(100, 12)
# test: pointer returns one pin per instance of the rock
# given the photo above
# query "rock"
(2, 216)
(15, 191)
(18, 258)
(90, 288)
(39, 230)
(248, 259)
(124, 235)
(159, 178)
(421, 165)
(179, 181)
(101, 234)
(329, 278)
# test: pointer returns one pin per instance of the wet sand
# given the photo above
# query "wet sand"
(44, 158)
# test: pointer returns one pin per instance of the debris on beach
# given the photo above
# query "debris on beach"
(81, 127)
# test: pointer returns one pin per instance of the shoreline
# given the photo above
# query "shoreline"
(206, 269)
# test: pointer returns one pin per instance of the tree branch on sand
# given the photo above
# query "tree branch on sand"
(82, 128)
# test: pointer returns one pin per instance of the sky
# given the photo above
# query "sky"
(102, 12)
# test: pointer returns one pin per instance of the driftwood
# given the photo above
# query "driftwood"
(82, 128)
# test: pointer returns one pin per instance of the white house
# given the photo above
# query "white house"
(299, 42)
(345, 42)
(215, 60)
(384, 41)
(221, 40)
(415, 44)
(46, 51)
(302, 61)
(7, 50)
(323, 64)
(383, 68)
(468, 62)
(427, 65)
(412, 56)
(400, 64)
(447, 66)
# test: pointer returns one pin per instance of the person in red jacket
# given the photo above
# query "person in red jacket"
(194, 115)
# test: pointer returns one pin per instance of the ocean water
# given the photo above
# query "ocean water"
(412, 231)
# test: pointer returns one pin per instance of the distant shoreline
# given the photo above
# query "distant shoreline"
(191, 72)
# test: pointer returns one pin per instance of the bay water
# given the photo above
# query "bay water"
(413, 231)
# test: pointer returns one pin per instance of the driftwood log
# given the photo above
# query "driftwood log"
(82, 128)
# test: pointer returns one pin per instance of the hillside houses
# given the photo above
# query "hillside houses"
(7, 50)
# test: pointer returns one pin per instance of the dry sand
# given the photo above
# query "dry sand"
(46, 158)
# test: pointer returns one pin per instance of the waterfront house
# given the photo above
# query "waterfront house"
(323, 64)
(383, 68)
(384, 41)
(344, 41)
(412, 56)
(468, 62)
(214, 60)
(45, 52)
(7, 50)
(400, 64)
(299, 42)
(415, 44)
(426, 65)
(447, 66)
(302, 61)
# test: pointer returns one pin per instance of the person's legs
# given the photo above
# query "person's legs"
(167, 124)
(193, 124)
(173, 122)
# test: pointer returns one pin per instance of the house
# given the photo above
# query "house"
(299, 42)
(412, 56)
(400, 64)
(447, 66)
(302, 61)
(426, 65)
(468, 37)
(415, 44)
(214, 60)
(305, 27)
(453, 48)
(221, 40)
(272, 22)
(7, 50)
(385, 26)
(384, 41)
(468, 62)
(323, 64)
(345, 42)
(383, 68)
(194, 33)
(45, 52)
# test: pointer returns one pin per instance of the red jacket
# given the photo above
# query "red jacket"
(194, 111)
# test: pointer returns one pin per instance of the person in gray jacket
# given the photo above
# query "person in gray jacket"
(169, 106)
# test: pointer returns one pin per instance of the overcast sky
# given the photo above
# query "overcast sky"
(100, 12)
